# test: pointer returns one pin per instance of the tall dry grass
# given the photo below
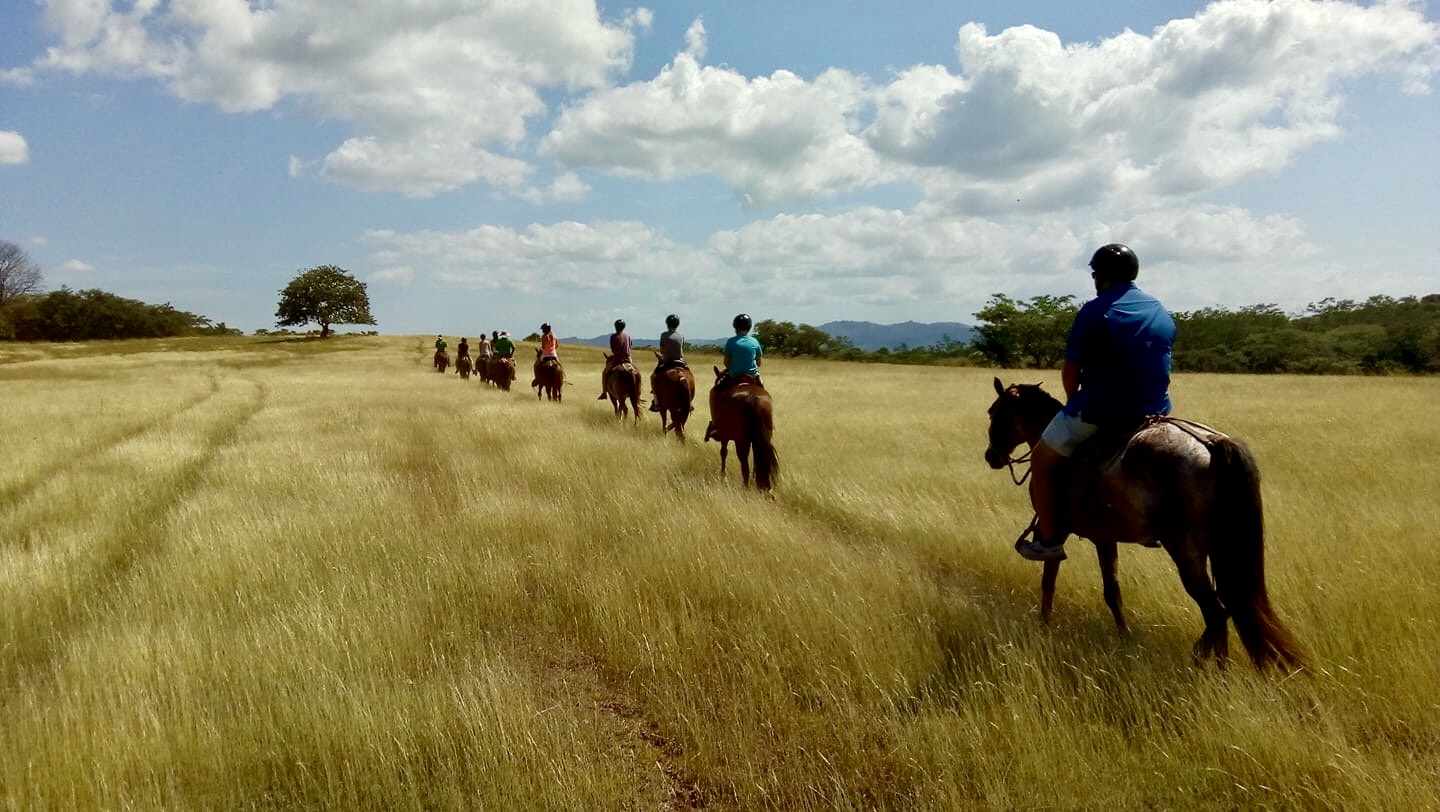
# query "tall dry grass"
(270, 573)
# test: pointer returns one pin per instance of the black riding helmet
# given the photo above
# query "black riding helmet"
(1115, 261)
(545, 328)
(672, 321)
(742, 321)
(619, 324)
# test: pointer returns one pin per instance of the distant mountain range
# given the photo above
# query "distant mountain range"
(867, 335)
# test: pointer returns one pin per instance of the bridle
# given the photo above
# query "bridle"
(1020, 460)
(1023, 459)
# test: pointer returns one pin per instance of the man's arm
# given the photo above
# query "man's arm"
(1070, 378)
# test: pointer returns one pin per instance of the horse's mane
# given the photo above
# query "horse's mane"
(1034, 396)
(1028, 397)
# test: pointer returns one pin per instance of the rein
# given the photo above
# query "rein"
(1020, 460)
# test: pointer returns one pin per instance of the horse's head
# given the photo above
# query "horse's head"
(718, 374)
(1018, 415)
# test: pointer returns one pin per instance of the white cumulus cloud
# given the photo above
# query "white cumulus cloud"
(1201, 103)
(437, 93)
(774, 138)
(13, 148)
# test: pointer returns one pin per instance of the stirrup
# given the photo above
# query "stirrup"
(1031, 547)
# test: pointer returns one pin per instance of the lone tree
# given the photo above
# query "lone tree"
(18, 275)
(325, 295)
(1016, 334)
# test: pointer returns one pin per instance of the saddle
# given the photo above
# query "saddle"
(1105, 449)
(727, 383)
(1111, 441)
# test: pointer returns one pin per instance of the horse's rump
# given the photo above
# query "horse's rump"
(625, 377)
(1122, 484)
(502, 371)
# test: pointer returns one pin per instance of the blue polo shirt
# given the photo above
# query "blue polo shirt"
(1122, 340)
(744, 354)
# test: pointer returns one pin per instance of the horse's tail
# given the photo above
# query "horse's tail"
(681, 395)
(759, 427)
(1237, 558)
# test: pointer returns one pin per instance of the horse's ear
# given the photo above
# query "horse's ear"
(999, 387)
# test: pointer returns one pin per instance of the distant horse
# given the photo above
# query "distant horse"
(549, 377)
(462, 366)
(1172, 484)
(674, 390)
(441, 360)
(482, 368)
(622, 385)
(743, 414)
(501, 372)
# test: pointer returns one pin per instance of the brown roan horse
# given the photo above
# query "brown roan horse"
(1172, 484)
(549, 377)
(743, 414)
(462, 367)
(442, 360)
(674, 390)
(622, 385)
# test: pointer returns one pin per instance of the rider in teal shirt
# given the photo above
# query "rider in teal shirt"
(742, 354)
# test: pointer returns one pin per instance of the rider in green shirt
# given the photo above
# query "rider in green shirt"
(504, 347)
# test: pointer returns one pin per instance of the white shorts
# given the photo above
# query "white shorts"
(1065, 433)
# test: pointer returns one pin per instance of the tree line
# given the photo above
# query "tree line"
(1382, 334)
(325, 295)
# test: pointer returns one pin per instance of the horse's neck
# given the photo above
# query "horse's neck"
(1034, 426)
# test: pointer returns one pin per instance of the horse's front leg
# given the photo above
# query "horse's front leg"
(1109, 560)
(1047, 589)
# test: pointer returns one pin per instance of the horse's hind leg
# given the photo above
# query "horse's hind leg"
(724, 452)
(1215, 640)
(742, 452)
(1109, 565)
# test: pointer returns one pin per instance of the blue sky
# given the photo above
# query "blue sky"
(494, 165)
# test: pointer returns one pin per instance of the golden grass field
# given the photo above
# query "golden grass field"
(287, 573)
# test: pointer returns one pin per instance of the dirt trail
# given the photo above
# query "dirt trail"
(579, 681)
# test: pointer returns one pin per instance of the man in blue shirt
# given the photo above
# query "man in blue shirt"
(1116, 372)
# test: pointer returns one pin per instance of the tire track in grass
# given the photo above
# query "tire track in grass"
(39, 626)
(12, 494)
(572, 676)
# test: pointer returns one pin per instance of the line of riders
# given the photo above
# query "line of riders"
(1116, 378)
(741, 357)
(1116, 372)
